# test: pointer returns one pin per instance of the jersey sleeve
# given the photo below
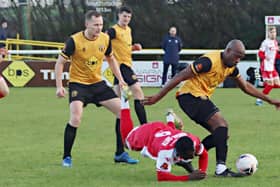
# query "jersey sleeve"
(203, 161)
(163, 166)
(202, 153)
(261, 52)
(164, 160)
(235, 73)
(112, 33)
(164, 176)
(201, 65)
(108, 52)
(68, 49)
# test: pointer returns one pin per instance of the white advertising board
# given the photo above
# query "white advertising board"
(149, 73)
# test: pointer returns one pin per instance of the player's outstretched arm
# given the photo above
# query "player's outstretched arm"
(203, 161)
(249, 89)
(166, 176)
(183, 75)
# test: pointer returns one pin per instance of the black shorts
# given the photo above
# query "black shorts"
(198, 109)
(93, 93)
(128, 75)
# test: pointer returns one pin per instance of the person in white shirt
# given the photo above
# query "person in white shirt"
(268, 53)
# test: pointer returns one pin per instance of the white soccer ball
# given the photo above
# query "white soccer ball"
(247, 164)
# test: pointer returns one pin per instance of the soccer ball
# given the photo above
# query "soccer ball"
(247, 164)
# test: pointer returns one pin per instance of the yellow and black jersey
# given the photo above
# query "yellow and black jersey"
(210, 72)
(86, 57)
(121, 44)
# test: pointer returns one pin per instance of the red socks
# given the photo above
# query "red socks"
(267, 89)
(126, 123)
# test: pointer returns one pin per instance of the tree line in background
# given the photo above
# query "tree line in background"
(201, 23)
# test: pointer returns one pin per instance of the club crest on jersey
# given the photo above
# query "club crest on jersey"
(198, 67)
(74, 93)
(134, 77)
(92, 61)
(164, 166)
(101, 48)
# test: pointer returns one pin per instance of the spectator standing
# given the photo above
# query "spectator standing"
(3, 31)
(172, 45)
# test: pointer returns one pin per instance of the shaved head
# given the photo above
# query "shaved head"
(234, 52)
(236, 45)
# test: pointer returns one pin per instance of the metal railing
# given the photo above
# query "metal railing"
(14, 47)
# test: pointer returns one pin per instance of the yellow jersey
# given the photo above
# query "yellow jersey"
(121, 44)
(86, 57)
(210, 71)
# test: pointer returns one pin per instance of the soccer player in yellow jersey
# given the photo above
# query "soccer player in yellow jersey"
(203, 76)
(120, 35)
(86, 51)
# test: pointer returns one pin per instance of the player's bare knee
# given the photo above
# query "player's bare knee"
(75, 122)
(137, 91)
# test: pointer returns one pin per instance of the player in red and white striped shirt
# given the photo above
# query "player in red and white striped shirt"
(268, 53)
(165, 144)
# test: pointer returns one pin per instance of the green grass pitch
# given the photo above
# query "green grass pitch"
(31, 142)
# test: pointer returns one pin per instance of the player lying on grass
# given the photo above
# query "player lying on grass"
(4, 89)
(165, 144)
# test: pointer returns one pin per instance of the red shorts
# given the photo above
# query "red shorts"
(135, 140)
(269, 75)
(143, 135)
(140, 136)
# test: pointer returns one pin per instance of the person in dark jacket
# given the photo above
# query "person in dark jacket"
(171, 45)
(3, 31)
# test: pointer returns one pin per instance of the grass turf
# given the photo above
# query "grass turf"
(31, 142)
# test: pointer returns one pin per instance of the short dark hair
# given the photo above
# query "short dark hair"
(270, 28)
(125, 9)
(91, 13)
(183, 146)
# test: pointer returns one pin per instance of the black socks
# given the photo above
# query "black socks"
(140, 111)
(220, 140)
(119, 145)
(208, 142)
(69, 137)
